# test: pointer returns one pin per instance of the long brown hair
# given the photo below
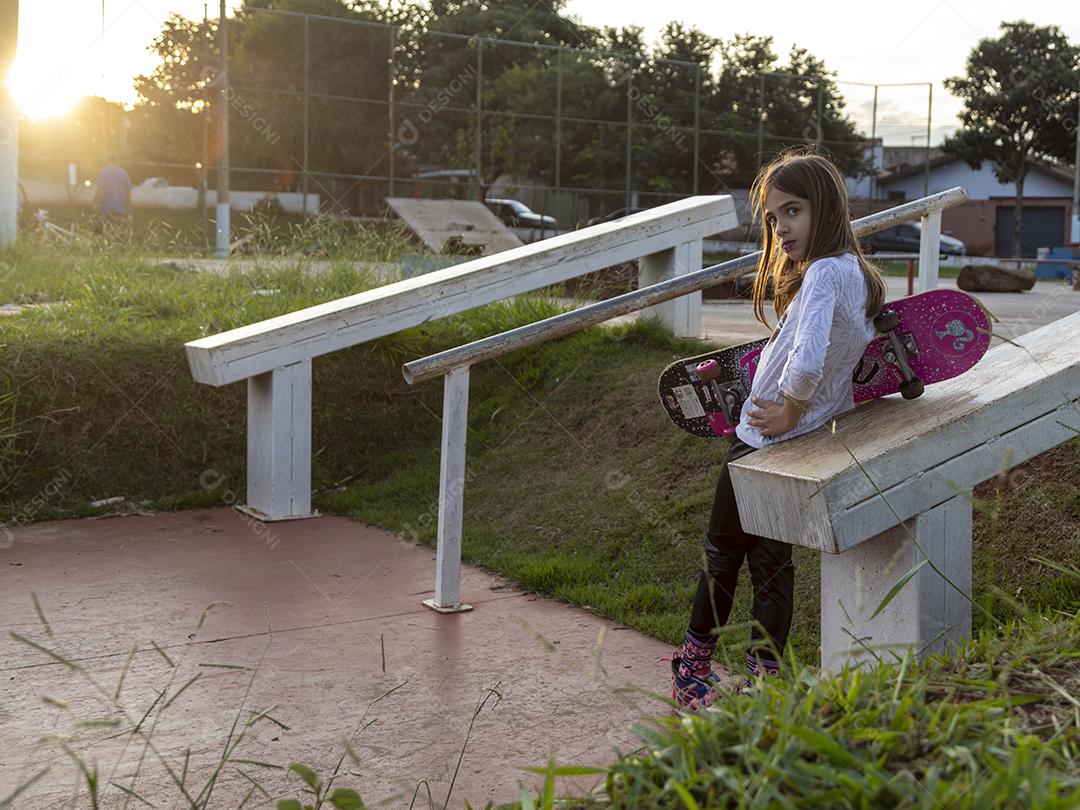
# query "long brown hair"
(812, 177)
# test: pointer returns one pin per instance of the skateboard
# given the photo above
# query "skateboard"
(922, 339)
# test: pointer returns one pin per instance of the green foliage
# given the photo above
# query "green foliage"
(608, 73)
(341, 798)
(993, 726)
(1020, 97)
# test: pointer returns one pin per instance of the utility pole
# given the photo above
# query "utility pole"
(873, 151)
(1075, 236)
(204, 164)
(222, 241)
(929, 118)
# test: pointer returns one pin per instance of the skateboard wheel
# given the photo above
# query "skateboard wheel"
(707, 370)
(910, 389)
(886, 320)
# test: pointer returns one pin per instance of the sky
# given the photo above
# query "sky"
(65, 54)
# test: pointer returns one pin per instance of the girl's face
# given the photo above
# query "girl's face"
(789, 217)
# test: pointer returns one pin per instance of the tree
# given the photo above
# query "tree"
(468, 44)
(347, 74)
(444, 57)
(785, 106)
(1019, 94)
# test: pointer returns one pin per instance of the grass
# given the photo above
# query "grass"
(266, 231)
(994, 726)
(577, 488)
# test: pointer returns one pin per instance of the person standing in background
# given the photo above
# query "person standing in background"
(112, 199)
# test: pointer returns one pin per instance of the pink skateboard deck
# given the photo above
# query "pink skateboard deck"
(937, 335)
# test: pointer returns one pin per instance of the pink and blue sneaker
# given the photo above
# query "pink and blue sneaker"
(698, 688)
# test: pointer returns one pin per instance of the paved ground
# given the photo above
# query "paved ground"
(732, 321)
(329, 611)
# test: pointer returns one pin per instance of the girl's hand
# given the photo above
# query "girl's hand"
(773, 418)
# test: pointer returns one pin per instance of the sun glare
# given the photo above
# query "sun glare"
(59, 63)
(42, 89)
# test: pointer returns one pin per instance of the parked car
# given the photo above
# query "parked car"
(904, 238)
(515, 214)
(619, 213)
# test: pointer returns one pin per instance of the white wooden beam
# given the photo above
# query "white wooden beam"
(1020, 400)
(279, 443)
(451, 493)
(680, 316)
(257, 348)
(927, 615)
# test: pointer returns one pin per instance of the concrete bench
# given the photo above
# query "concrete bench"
(889, 492)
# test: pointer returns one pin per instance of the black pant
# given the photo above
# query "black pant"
(771, 571)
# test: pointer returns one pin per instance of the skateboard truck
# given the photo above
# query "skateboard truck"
(730, 394)
(899, 350)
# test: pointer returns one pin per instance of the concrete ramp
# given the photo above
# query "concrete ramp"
(319, 624)
(459, 227)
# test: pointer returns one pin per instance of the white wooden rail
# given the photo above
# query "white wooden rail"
(917, 464)
(275, 355)
(455, 364)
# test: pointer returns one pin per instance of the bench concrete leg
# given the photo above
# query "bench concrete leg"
(279, 443)
(927, 614)
(681, 316)
(451, 493)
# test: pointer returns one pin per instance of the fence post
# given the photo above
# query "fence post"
(929, 249)
(479, 115)
(451, 493)
(629, 130)
(221, 241)
(821, 114)
(697, 123)
(558, 123)
(307, 108)
(761, 120)
(392, 81)
(929, 118)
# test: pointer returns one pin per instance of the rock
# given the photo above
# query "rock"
(990, 278)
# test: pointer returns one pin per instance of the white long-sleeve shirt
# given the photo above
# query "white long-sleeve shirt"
(820, 340)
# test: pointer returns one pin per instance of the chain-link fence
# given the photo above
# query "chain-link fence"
(348, 112)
